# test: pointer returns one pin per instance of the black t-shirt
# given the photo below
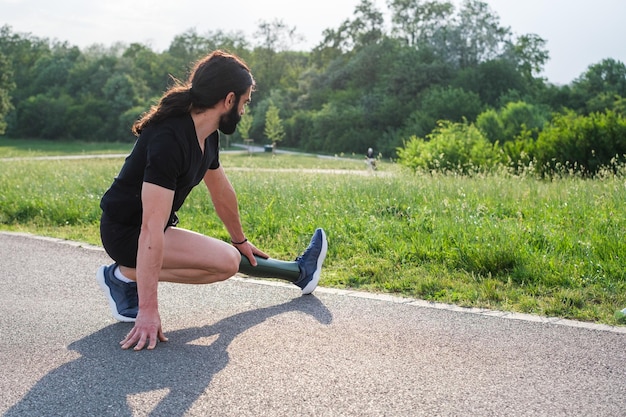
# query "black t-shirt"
(166, 154)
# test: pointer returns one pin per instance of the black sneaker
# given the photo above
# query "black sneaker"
(122, 296)
(310, 262)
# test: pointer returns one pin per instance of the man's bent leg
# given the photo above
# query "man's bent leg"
(193, 258)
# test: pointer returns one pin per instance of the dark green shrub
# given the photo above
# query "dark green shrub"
(582, 143)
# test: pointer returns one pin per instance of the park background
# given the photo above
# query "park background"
(501, 178)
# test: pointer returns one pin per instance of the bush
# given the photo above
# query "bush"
(490, 124)
(583, 143)
(457, 147)
(515, 119)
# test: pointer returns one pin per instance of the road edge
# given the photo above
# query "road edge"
(380, 297)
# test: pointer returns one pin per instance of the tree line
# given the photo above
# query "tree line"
(402, 87)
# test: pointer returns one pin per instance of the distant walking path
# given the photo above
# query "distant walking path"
(364, 172)
(63, 157)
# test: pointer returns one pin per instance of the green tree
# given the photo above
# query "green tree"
(410, 74)
(530, 54)
(51, 71)
(22, 52)
(43, 116)
(271, 61)
(601, 86)
(189, 46)
(91, 71)
(148, 68)
(444, 103)
(6, 86)
(121, 93)
(276, 36)
(418, 23)
(607, 76)
(477, 35)
(366, 28)
(82, 117)
(270, 57)
(492, 80)
(244, 126)
(274, 129)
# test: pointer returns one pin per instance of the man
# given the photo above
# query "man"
(370, 159)
(177, 147)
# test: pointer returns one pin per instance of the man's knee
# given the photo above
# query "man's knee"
(234, 261)
(229, 263)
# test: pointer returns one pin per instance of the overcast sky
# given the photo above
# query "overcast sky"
(578, 32)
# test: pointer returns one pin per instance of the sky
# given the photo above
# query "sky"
(579, 33)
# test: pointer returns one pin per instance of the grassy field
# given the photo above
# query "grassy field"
(36, 148)
(513, 243)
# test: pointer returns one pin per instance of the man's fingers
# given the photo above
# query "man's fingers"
(262, 254)
(153, 343)
(140, 341)
(129, 340)
(146, 333)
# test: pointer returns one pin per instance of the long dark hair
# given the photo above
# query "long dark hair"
(210, 81)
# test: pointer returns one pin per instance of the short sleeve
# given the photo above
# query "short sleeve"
(213, 150)
(164, 162)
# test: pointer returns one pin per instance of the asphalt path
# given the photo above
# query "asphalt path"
(257, 348)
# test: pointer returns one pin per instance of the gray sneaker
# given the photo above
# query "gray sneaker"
(310, 262)
(123, 299)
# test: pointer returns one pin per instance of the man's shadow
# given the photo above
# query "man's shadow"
(99, 382)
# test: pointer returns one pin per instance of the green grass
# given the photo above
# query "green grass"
(553, 248)
(14, 148)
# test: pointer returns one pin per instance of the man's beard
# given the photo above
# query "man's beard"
(228, 122)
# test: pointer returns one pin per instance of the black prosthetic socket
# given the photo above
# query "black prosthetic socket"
(270, 268)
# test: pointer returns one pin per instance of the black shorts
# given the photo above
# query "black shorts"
(121, 241)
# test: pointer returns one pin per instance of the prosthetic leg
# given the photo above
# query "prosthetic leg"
(304, 272)
(270, 268)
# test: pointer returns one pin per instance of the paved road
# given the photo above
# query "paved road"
(245, 348)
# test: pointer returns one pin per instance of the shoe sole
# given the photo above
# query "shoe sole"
(310, 287)
(101, 282)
